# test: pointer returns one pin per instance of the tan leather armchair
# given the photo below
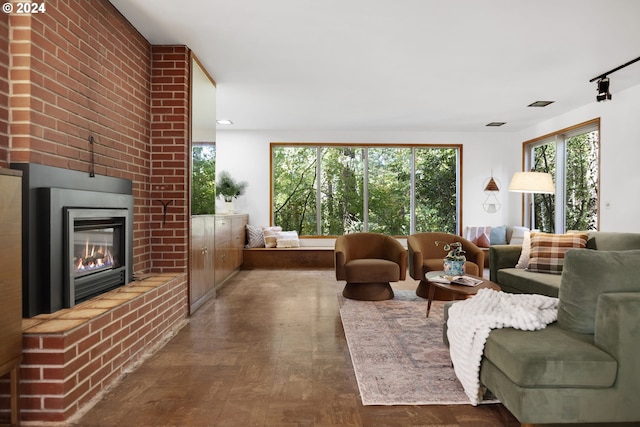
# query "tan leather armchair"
(368, 262)
(425, 256)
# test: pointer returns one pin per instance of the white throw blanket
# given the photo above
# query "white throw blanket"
(471, 320)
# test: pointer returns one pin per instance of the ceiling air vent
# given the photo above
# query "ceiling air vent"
(540, 103)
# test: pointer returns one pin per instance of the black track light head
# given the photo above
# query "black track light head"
(603, 90)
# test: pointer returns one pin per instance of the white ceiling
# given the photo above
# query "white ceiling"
(432, 65)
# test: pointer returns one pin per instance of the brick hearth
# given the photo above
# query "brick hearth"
(71, 356)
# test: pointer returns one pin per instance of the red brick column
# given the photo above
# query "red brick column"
(170, 158)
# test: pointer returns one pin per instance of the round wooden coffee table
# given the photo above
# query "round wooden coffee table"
(456, 291)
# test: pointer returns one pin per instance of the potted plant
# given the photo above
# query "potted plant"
(229, 189)
(454, 261)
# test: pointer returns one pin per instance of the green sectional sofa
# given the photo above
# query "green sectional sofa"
(503, 259)
(584, 368)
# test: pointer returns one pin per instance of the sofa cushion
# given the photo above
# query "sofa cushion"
(613, 241)
(498, 235)
(586, 275)
(372, 270)
(479, 236)
(482, 241)
(255, 238)
(518, 281)
(287, 239)
(269, 233)
(517, 235)
(523, 261)
(550, 357)
(547, 250)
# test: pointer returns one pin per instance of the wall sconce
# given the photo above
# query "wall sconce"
(491, 203)
(532, 182)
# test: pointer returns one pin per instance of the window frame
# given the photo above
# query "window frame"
(559, 137)
(366, 146)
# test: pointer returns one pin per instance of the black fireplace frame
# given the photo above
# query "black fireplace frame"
(46, 191)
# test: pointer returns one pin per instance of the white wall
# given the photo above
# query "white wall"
(246, 156)
(619, 155)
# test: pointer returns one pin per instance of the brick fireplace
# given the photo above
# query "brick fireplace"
(83, 92)
(56, 202)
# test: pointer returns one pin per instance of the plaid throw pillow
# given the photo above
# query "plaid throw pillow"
(547, 250)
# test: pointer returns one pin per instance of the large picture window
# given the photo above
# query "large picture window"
(571, 156)
(333, 189)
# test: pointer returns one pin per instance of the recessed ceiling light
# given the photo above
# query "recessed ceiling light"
(496, 124)
(224, 122)
(540, 103)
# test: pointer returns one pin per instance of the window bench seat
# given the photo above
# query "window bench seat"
(276, 258)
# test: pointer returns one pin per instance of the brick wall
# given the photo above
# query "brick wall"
(4, 90)
(78, 71)
(170, 156)
(62, 371)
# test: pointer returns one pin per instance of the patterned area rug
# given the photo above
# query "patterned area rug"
(397, 353)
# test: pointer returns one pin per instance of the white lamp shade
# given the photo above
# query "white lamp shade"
(532, 182)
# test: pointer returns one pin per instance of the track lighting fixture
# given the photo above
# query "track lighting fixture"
(603, 81)
(603, 90)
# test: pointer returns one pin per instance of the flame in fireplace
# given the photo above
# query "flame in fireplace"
(94, 258)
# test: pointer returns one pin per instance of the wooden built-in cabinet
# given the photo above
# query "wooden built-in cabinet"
(230, 236)
(216, 253)
(11, 281)
(202, 259)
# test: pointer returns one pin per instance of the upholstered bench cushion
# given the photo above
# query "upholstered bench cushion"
(372, 270)
(550, 357)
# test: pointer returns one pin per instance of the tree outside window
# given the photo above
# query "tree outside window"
(386, 189)
(436, 190)
(294, 171)
(572, 158)
(203, 179)
(342, 186)
(389, 192)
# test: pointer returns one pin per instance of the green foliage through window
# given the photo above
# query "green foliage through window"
(294, 193)
(436, 190)
(335, 189)
(574, 161)
(203, 180)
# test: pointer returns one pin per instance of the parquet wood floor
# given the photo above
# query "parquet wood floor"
(269, 351)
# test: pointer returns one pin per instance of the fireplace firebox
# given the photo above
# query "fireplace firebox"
(95, 252)
(77, 236)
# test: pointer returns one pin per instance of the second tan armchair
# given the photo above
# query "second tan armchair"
(425, 256)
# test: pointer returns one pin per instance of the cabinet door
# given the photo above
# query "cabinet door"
(238, 233)
(202, 264)
(223, 245)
